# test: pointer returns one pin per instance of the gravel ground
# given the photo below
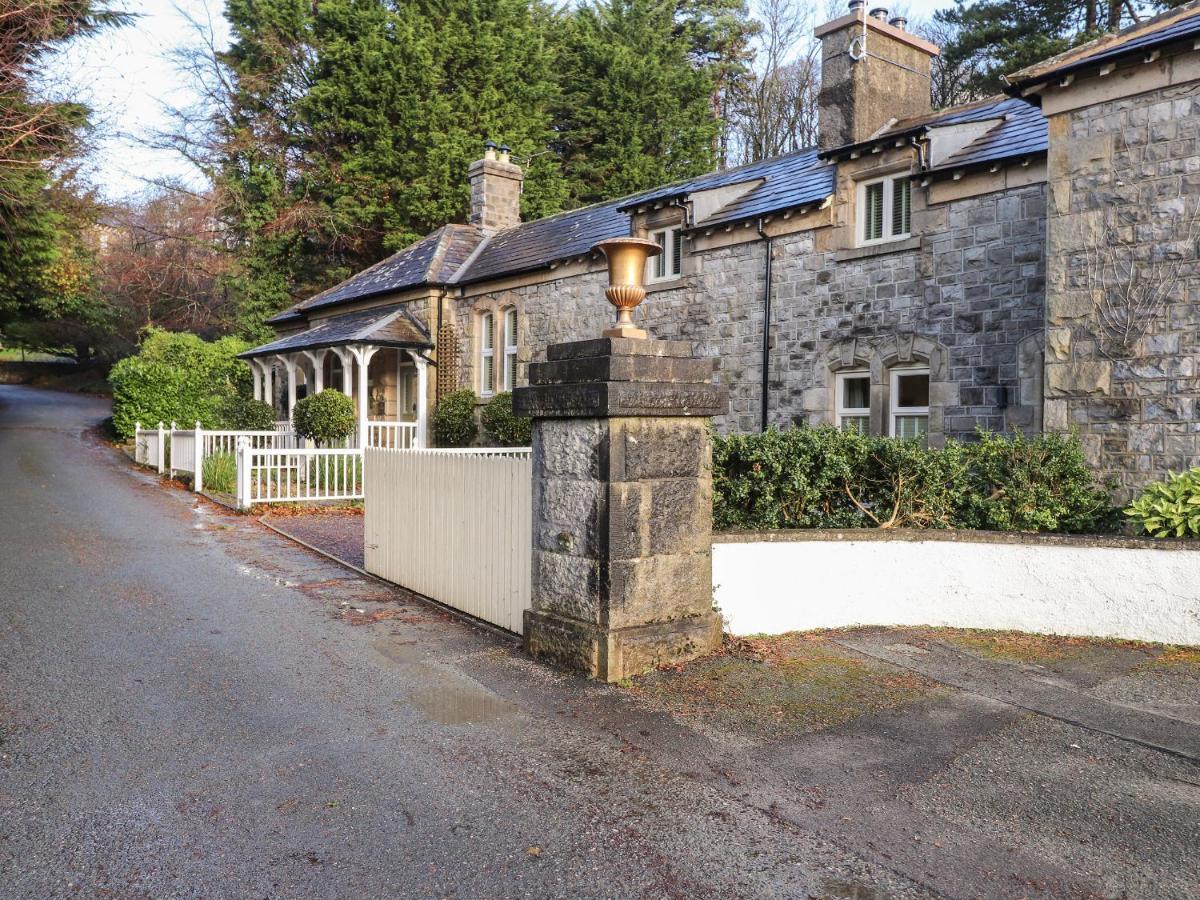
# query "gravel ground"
(338, 533)
(192, 705)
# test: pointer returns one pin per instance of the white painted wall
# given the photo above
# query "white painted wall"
(1135, 593)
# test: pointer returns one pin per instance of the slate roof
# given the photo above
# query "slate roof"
(532, 245)
(390, 327)
(431, 260)
(1178, 24)
(1022, 133)
(794, 180)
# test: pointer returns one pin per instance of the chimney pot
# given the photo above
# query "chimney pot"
(898, 22)
(856, 5)
(880, 13)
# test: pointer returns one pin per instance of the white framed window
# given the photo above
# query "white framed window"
(852, 407)
(910, 403)
(509, 375)
(487, 354)
(669, 263)
(884, 210)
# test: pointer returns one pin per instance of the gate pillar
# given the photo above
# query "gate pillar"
(622, 505)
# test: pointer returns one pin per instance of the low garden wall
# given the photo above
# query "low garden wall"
(1137, 589)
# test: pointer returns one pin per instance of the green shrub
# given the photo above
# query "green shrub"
(326, 417)
(507, 429)
(454, 419)
(1033, 484)
(1169, 508)
(220, 473)
(177, 377)
(240, 413)
(826, 478)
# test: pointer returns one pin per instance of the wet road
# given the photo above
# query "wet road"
(189, 707)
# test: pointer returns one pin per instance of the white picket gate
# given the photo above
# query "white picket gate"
(455, 526)
(282, 475)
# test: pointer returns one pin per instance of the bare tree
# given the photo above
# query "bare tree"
(774, 109)
(1133, 270)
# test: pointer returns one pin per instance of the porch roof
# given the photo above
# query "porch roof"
(388, 327)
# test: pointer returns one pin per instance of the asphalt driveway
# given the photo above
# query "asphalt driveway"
(191, 705)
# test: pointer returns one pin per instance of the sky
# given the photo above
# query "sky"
(128, 78)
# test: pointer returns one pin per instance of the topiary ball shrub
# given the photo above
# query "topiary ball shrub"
(1169, 508)
(240, 413)
(454, 419)
(327, 418)
(507, 429)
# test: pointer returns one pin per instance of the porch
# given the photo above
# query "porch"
(378, 358)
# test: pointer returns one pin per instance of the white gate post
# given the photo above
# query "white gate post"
(243, 473)
(162, 445)
(198, 461)
(137, 443)
(171, 453)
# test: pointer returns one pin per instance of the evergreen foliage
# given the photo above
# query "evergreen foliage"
(506, 429)
(241, 413)
(826, 478)
(326, 417)
(454, 419)
(178, 377)
(993, 38)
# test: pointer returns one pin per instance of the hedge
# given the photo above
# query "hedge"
(454, 419)
(826, 478)
(505, 428)
(178, 377)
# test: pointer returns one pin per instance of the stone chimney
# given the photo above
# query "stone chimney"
(495, 189)
(872, 71)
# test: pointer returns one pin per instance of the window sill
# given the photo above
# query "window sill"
(664, 284)
(910, 243)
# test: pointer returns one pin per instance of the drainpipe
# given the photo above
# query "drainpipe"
(766, 343)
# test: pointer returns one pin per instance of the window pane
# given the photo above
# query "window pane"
(510, 371)
(856, 392)
(901, 192)
(489, 332)
(510, 328)
(489, 374)
(912, 390)
(873, 212)
(660, 261)
(676, 251)
(861, 424)
(912, 427)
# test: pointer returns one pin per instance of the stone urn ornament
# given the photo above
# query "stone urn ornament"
(626, 273)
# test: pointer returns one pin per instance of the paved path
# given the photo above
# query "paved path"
(191, 705)
(184, 711)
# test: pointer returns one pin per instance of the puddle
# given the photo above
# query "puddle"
(445, 696)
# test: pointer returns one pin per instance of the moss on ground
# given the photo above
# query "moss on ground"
(1019, 646)
(774, 687)
(1175, 659)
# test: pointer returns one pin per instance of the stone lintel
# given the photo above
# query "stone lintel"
(591, 369)
(611, 654)
(615, 346)
(617, 399)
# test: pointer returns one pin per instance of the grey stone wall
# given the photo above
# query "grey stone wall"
(970, 301)
(967, 301)
(1125, 190)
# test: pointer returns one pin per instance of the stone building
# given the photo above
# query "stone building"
(921, 273)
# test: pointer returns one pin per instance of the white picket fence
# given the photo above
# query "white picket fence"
(278, 475)
(453, 525)
(392, 435)
(150, 446)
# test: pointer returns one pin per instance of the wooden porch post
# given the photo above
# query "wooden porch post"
(422, 400)
(317, 358)
(289, 363)
(363, 356)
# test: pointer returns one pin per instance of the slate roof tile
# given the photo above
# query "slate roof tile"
(390, 327)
